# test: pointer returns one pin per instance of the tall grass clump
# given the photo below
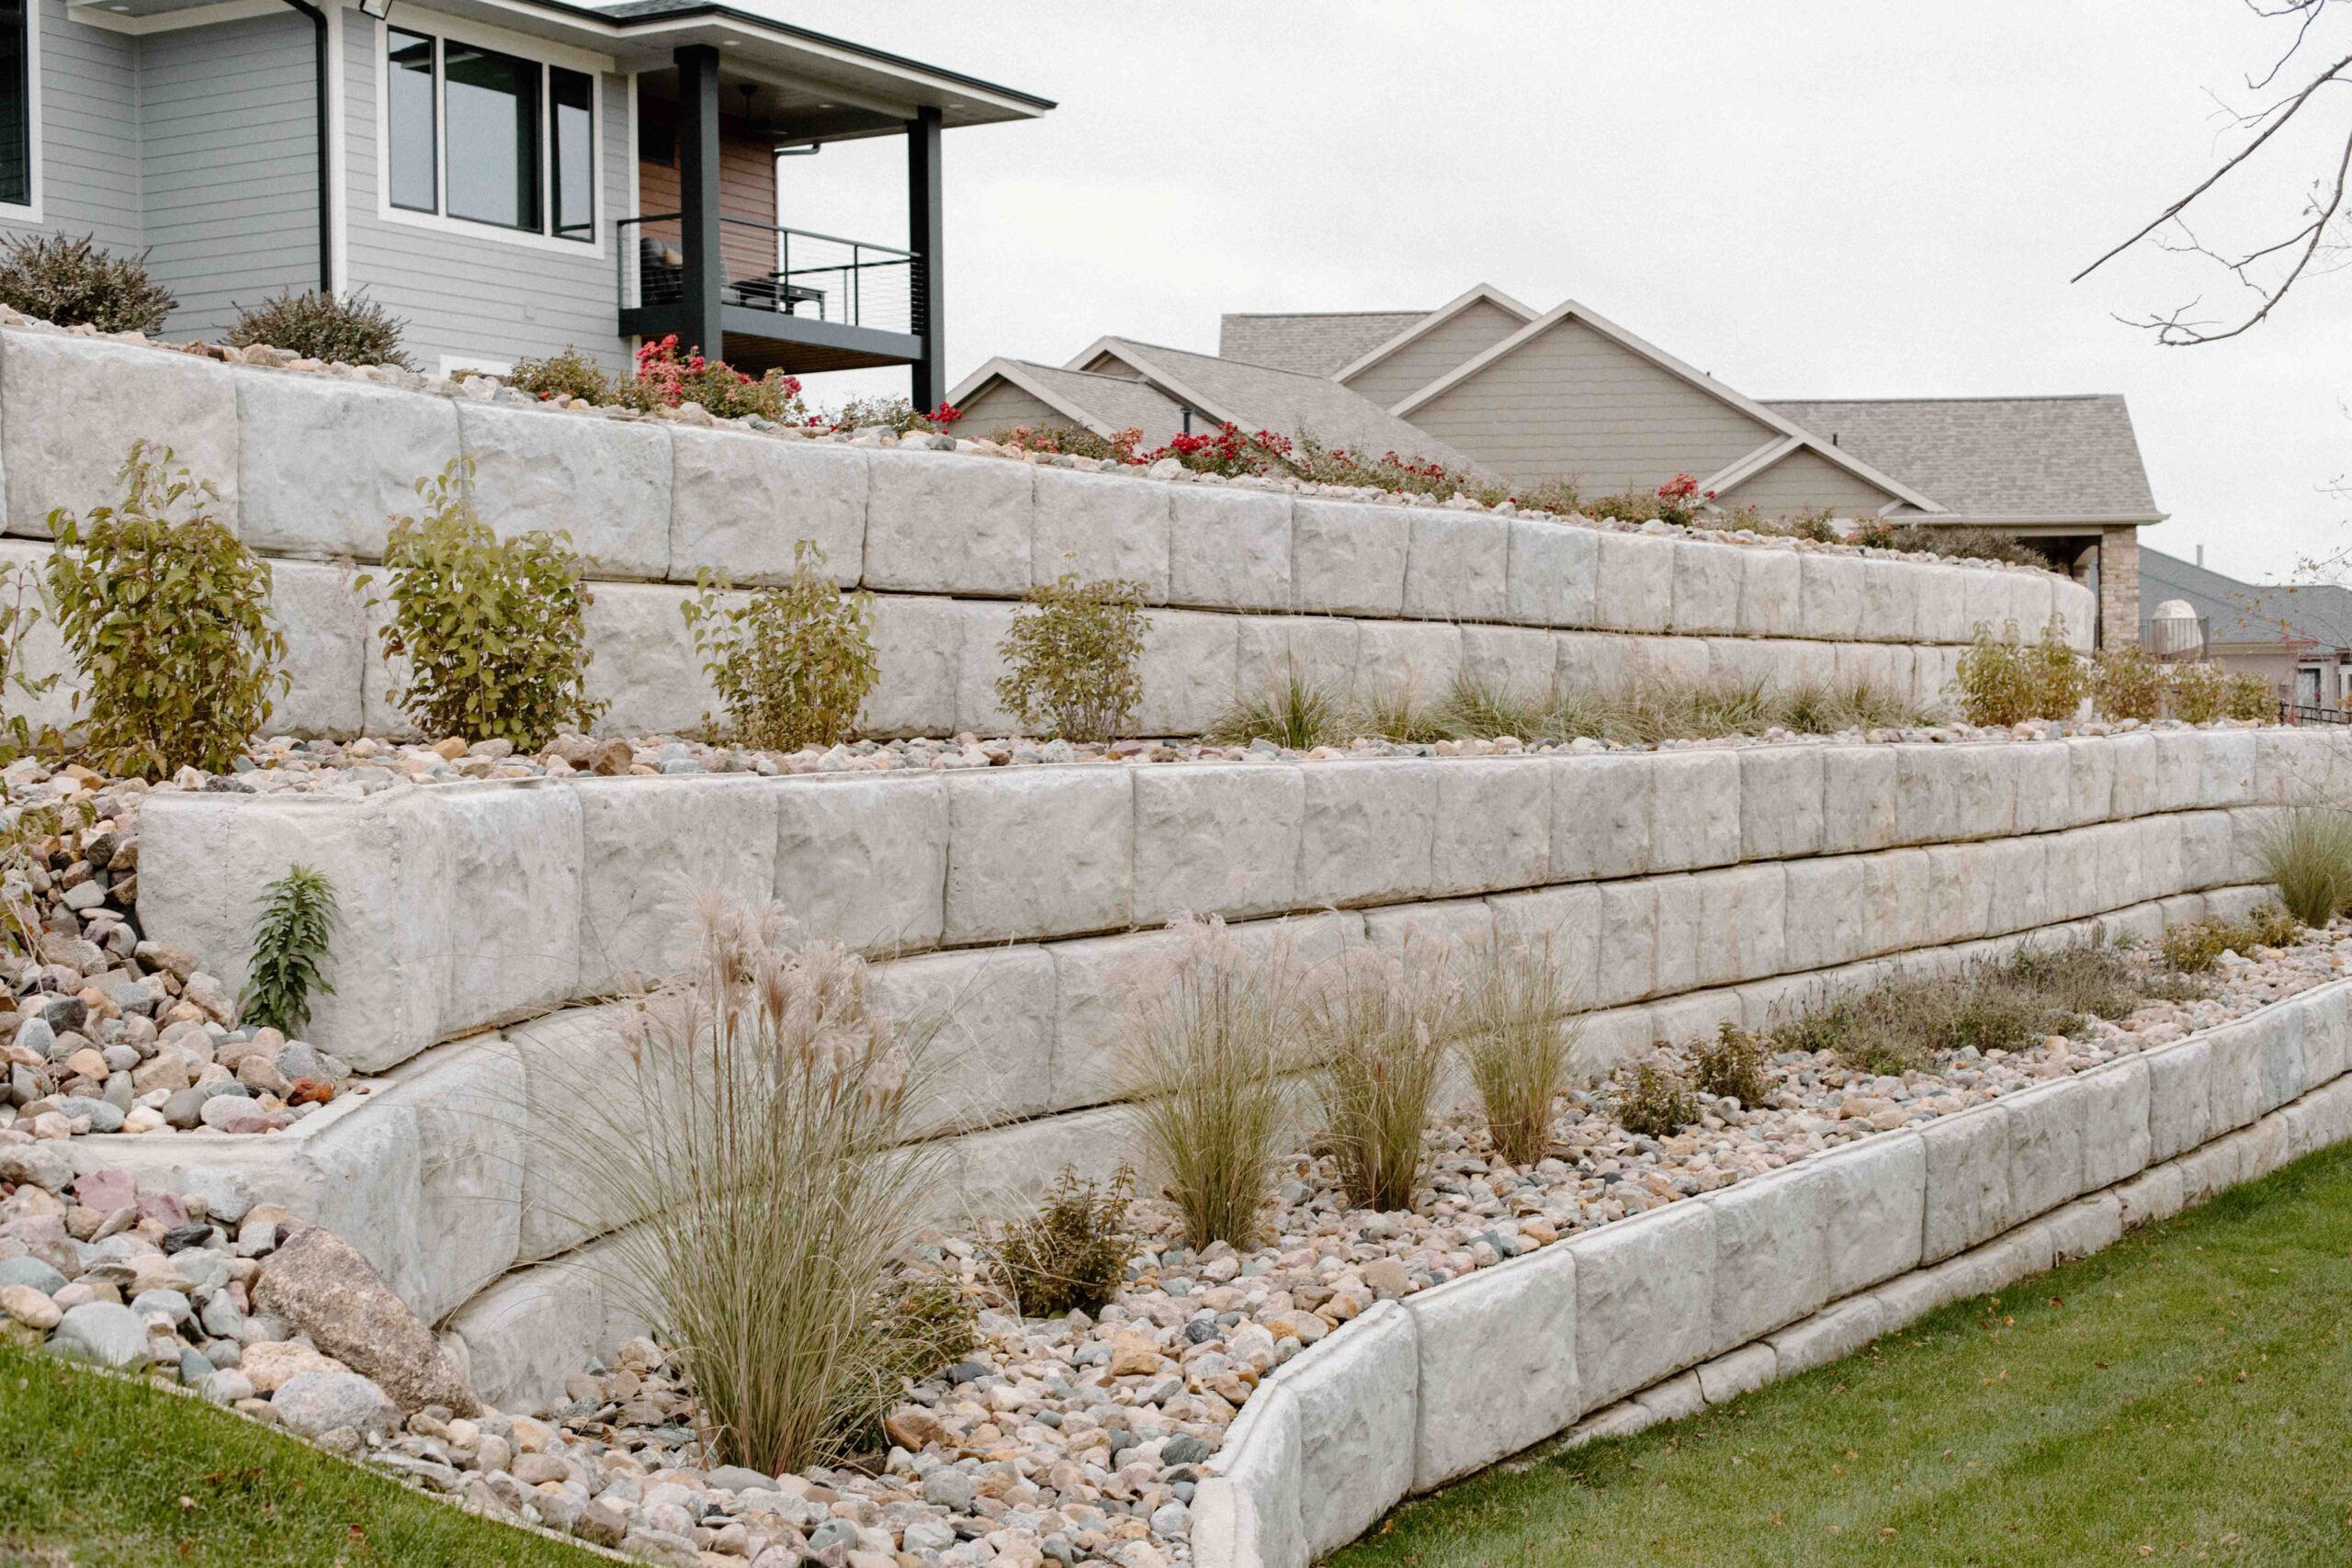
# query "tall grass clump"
(1203, 1068)
(759, 1155)
(1298, 713)
(2307, 852)
(1378, 1032)
(1520, 1038)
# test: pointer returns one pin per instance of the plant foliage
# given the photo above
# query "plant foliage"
(1071, 657)
(1520, 1035)
(1736, 1065)
(1379, 1029)
(298, 918)
(1071, 1255)
(75, 283)
(2005, 681)
(1654, 1102)
(792, 665)
(346, 329)
(2307, 853)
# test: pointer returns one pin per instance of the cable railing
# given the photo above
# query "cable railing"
(2304, 713)
(787, 272)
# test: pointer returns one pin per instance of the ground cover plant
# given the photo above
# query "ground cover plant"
(793, 664)
(1968, 544)
(1070, 659)
(2185, 1395)
(77, 282)
(2195, 948)
(1903, 1025)
(347, 328)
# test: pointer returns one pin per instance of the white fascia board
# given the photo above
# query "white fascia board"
(1170, 387)
(1486, 292)
(1011, 371)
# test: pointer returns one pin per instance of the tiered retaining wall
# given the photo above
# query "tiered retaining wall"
(1247, 583)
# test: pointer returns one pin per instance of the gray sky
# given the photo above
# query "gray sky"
(1805, 198)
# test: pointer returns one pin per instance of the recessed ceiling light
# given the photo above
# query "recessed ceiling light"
(824, 105)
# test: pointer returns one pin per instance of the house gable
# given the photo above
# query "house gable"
(997, 404)
(1804, 481)
(1390, 375)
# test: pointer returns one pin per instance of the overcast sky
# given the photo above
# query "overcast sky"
(1805, 198)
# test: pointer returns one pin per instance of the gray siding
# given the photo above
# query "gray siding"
(1000, 405)
(1806, 481)
(1434, 353)
(90, 114)
(1571, 403)
(482, 298)
(230, 164)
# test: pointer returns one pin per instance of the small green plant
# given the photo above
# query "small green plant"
(1071, 657)
(1396, 712)
(1903, 1025)
(1379, 1029)
(2005, 681)
(1298, 713)
(298, 918)
(2195, 948)
(1477, 708)
(2307, 853)
(75, 283)
(490, 628)
(1520, 1035)
(2248, 696)
(570, 374)
(350, 328)
(793, 664)
(1117, 448)
(2127, 683)
(1071, 1255)
(29, 831)
(1736, 1066)
(168, 618)
(1653, 1102)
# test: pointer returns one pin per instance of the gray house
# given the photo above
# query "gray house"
(512, 177)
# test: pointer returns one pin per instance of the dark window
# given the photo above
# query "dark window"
(410, 121)
(574, 165)
(16, 104)
(492, 102)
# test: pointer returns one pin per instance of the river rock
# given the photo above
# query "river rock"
(321, 1286)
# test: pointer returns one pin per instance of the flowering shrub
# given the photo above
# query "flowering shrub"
(664, 379)
(1119, 447)
(896, 416)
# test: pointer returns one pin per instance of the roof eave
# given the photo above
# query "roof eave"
(1486, 292)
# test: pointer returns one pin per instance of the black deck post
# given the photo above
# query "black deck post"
(705, 273)
(925, 236)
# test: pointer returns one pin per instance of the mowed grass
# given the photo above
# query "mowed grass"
(2184, 1397)
(99, 1472)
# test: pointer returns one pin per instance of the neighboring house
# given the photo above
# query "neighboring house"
(511, 176)
(2297, 636)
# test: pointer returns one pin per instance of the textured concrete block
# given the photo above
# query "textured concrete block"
(1857, 799)
(1260, 1458)
(1097, 982)
(1228, 548)
(2154, 1194)
(2015, 873)
(644, 667)
(1773, 1250)
(1356, 1396)
(580, 1094)
(740, 505)
(513, 939)
(1368, 832)
(1039, 852)
(989, 1015)
(1890, 602)
(1726, 1377)
(1679, 916)
(1410, 663)
(1742, 661)
(74, 405)
(1645, 1294)
(2047, 1129)
(1457, 565)
(1634, 589)
(1744, 929)
(2237, 1091)
(1553, 571)
(1569, 919)
(1217, 839)
(1513, 662)
(1927, 807)
(1494, 825)
(1440, 932)
(918, 658)
(1675, 1399)
(1348, 559)
(1828, 921)
(2137, 789)
(1101, 527)
(1318, 651)
(1498, 1364)
(1626, 963)
(1967, 1180)
(1707, 580)
(524, 1336)
(1781, 801)
(1830, 1334)
(650, 846)
(1830, 590)
(2115, 1123)
(1985, 594)
(2281, 1053)
(605, 482)
(1772, 592)
(1188, 672)
(328, 651)
(1699, 792)
(981, 664)
(1942, 607)
(2085, 1226)
(937, 523)
(1879, 1194)
(1985, 790)
(381, 441)
(1004, 1171)
(2045, 786)
(863, 861)
(2327, 1038)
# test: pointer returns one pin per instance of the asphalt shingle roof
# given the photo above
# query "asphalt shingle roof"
(1116, 402)
(2030, 460)
(2235, 612)
(1311, 345)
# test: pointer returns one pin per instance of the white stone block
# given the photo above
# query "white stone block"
(328, 650)
(1440, 932)
(2138, 782)
(2047, 1130)
(1942, 607)
(917, 658)
(1699, 792)
(1101, 527)
(2154, 1194)
(1646, 1295)
(1097, 982)
(380, 442)
(862, 861)
(1967, 1180)
(2281, 1053)
(1611, 1037)
(1871, 664)
(1369, 831)
(1004, 1171)
(1744, 929)
(1568, 918)
(1772, 1238)
(1494, 825)
(1226, 1532)
(75, 404)
(1411, 664)
(2015, 873)
(1348, 559)
(986, 1018)
(1517, 663)
(2212, 1168)
(1457, 565)
(1217, 839)
(1675, 1399)
(981, 664)
(1634, 582)
(1985, 591)
(1695, 1017)
(603, 482)
(643, 665)
(1553, 571)
(1742, 661)
(1626, 965)
(1928, 807)
(1890, 602)
(742, 504)
(1985, 790)
(1828, 921)
(1831, 595)
(1707, 580)
(1318, 651)
(1188, 670)
(514, 934)
(1829, 1335)
(1357, 1404)
(1781, 801)
(1497, 1363)
(525, 1335)
(2180, 1115)
(1038, 852)
(1857, 799)
(2115, 1123)
(2085, 1226)
(1771, 594)
(581, 1096)
(2327, 1037)
(1228, 548)
(1260, 1458)
(1679, 915)
(940, 522)
(1601, 817)
(2045, 785)
(1726, 1377)
(1879, 1190)
(649, 848)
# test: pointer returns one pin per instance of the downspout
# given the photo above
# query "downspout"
(325, 152)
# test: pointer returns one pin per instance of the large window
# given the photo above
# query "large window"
(15, 104)
(489, 137)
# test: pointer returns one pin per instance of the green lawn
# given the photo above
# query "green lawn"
(2185, 1395)
(97, 1471)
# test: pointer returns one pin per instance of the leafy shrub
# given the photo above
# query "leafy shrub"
(570, 374)
(1071, 658)
(896, 416)
(2197, 694)
(1962, 543)
(932, 1324)
(1736, 1066)
(1653, 1102)
(76, 283)
(2127, 683)
(1520, 1034)
(666, 379)
(1071, 1255)
(2307, 852)
(297, 916)
(490, 628)
(2007, 681)
(2195, 948)
(792, 665)
(1379, 1030)
(352, 330)
(1201, 1066)
(2248, 696)
(168, 618)
(1117, 448)
(1298, 713)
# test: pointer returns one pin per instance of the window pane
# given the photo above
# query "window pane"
(575, 153)
(408, 112)
(16, 116)
(493, 106)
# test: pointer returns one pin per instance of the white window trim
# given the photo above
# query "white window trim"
(29, 211)
(539, 52)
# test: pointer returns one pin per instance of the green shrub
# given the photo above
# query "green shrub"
(23, 598)
(2197, 694)
(1736, 1065)
(490, 628)
(298, 917)
(2007, 681)
(570, 374)
(1520, 1034)
(2307, 853)
(1071, 1255)
(1298, 713)
(1071, 658)
(2127, 683)
(2195, 948)
(2248, 696)
(75, 283)
(168, 618)
(930, 1323)
(792, 665)
(1654, 1103)
(348, 329)
(1378, 1030)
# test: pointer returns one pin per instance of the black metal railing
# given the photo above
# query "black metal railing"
(2303, 713)
(789, 272)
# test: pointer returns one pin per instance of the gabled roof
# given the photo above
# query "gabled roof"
(1787, 435)
(1311, 343)
(1104, 404)
(2027, 459)
(1260, 397)
(1480, 293)
(2315, 613)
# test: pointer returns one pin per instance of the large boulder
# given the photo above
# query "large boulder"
(323, 1288)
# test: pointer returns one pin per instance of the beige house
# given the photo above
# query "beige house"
(2297, 636)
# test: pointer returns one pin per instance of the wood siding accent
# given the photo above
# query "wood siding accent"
(1442, 349)
(1805, 480)
(1572, 404)
(746, 186)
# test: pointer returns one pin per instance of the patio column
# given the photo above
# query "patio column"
(927, 313)
(706, 274)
